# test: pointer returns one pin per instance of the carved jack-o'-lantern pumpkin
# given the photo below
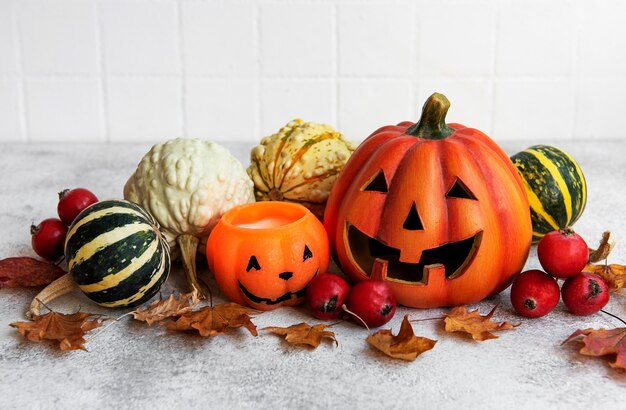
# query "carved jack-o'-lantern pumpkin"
(437, 210)
(264, 254)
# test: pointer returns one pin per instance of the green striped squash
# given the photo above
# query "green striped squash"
(555, 185)
(116, 253)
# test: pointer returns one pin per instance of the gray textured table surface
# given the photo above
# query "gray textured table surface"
(131, 365)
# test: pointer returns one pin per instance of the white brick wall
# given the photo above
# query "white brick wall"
(150, 70)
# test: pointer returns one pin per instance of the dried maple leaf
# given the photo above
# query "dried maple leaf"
(601, 342)
(405, 345)
(303, 333)
(607, 243)
(26, 271)
(68, 329)
(209, 321)
(171, 307)
(480, 327)
(614, 274)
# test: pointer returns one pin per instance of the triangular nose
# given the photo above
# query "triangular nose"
(285, 275)
(413, 221)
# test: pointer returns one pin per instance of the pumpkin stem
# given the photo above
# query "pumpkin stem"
(61, 286)
(188, 247)
(432, 124)
(275, 195)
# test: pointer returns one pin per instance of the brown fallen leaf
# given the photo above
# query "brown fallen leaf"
(480, 327)
(171, 307)
(67, 329)
(27, 271)
(607, 243)
(601, 342)
(405, 345)
(209, 321)
(303, 333)
(614, 274)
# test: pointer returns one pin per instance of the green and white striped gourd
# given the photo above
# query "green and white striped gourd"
(116, 253)
(555, 186)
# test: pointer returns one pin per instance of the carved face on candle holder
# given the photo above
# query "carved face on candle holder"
(264, 254)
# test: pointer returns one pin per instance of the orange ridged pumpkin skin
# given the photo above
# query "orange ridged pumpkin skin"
(267, 267)
(452, 225)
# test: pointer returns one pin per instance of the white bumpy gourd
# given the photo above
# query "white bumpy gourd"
(187, 184)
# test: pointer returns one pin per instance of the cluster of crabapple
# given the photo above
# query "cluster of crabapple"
(48, 237)
(371, 302)
(562, 254)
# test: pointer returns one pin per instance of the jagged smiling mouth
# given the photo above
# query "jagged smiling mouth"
(453, 256)
(267, 301)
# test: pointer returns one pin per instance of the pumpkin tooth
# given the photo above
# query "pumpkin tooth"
(379, 269)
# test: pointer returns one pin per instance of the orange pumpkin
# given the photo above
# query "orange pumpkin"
(264, 254)
(437, 210)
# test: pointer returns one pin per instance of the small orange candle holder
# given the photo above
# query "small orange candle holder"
(263, 254)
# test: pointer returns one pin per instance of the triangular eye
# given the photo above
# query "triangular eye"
(307, 253)
(460, 190)
(412, 221)
(253, 264)
(377, 184)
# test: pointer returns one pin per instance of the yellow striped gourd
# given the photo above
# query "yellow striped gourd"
(116, 254)
(555, 186)
(299, 163)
